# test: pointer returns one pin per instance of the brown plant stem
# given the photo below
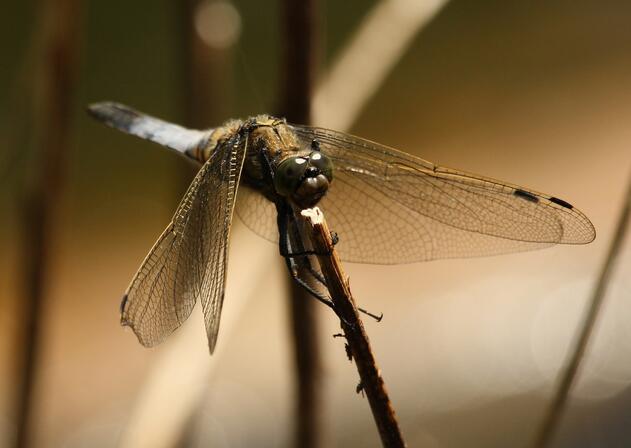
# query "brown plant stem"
(371, 381)
(308, 405)
(205, 71)
(300, 30)
(50, 125)
(569, 373)
(300, 58)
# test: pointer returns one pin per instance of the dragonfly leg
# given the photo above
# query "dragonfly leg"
(284, 248)
(285, 219)
(315, 273)
(320, 278)
(309, 266)
(293, 266)
(368, 313)
(305, 253)
(293, 271)
(288, 239)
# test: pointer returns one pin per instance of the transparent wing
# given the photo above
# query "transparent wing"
(389, 207)
(257, 213)
(189, 259)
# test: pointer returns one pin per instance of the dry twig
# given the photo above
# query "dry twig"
(371, 381)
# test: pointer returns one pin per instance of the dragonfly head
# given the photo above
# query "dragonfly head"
(304, 179)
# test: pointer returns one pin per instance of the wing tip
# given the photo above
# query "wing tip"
(147, 343)
(128, 323)
(583, 230)
(590, 234)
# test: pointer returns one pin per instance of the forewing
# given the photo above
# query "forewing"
(389, 207)
(223, 193)
(189, 259)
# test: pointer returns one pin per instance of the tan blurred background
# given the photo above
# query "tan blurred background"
(536, 93)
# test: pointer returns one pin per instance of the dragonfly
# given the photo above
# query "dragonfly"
(387, 206)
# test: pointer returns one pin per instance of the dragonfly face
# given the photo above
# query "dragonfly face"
(304, 180)
(388, 207)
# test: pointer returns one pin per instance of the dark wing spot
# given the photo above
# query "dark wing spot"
(526, 195)
(561, 202)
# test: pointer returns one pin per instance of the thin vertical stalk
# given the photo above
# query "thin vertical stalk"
(308, 404)
(206, 73)
(300, 24)
(297, 77)
(51, 130)
(558, 405)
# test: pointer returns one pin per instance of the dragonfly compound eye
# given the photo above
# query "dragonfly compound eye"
(289, 174)
(322, 163)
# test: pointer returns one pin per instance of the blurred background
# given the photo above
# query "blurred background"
(535, 93)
